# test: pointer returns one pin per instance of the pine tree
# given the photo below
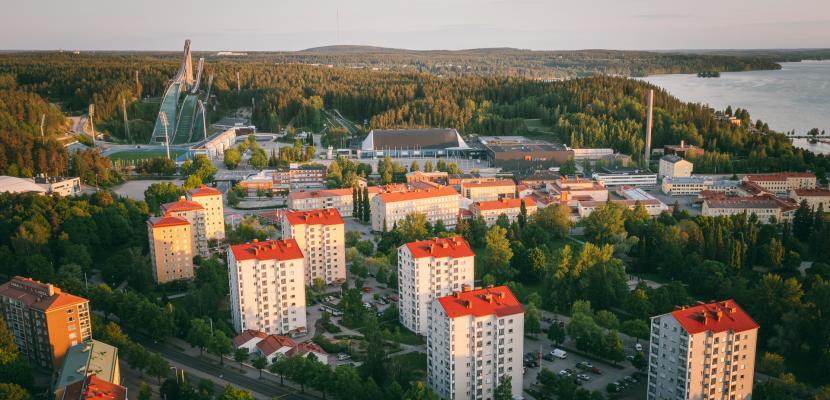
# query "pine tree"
(366, 207)
(522, 214)
(355, 202)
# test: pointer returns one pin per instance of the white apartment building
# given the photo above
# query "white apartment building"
(783, 182)
(341, 199)
(429, 269)
(440, 204)
(702, 352)
(321, 237)
(489, 190)
(674, 166)
(475, 338)
(693, 185)
(491, 210)
(211, 200)
(653, 206)
(267, 286)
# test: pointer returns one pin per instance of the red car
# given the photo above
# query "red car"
(596, 370)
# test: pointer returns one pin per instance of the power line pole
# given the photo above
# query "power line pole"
(126, 120)
(91, 122)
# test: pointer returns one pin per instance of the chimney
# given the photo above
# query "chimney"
(649, 123)
(682, 143)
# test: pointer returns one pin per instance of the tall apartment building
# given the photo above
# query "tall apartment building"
(45, 321)
(321, 237)
(267, 286)
(783, 182)
(475, 338)
(489, 191)
(388, 209)
(171, 248)
(702, 352)
(195, 214)
(211, 200)
(429, 269)
(491, 210)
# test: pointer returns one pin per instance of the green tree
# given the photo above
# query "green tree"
(428, 166)
(241, 355)
(11, 391)
(232, 393)
(555, 219)
(281, 367)
(420, 391)
(504, 390)
(772, 364)
(532, 324)
(606, 224)
(260, 363)
(556, 332)
(232, 158)
(220, 345)
(199, 334)
(498, 253)
(413, 227)
(414, 166)
(144, 391)
(157, 366)
(366, 208)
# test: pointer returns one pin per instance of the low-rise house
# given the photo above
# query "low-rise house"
(249, 339)
(491, 210)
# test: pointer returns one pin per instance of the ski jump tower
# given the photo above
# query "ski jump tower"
(186, 118)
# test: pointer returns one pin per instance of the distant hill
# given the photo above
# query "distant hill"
(351, 49)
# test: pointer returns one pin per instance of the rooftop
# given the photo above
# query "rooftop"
(92, 357)
(204, 191)
(282, 250)
(272, 343)
(812, 192)
(672, 158)
(246, 336)
(409, 195)
(328, 216)
(498, 183)
(304, 348)
(715, 317)
(780, 176)
(11, 184)
(167, 220)
(94, 388)
(455, 247)
(756, 202)
(38, 295)
(429, 138)
(505, 203)
(181, 205)
(481, 302)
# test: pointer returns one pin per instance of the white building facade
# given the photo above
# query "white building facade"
(440, 204)
(267, 286)
(321, 237)
(429, 269)
(475, 338)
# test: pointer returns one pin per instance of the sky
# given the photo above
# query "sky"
(271, 25)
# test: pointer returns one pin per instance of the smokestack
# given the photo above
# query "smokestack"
(649, 123)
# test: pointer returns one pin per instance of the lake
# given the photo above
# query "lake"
(795, 97)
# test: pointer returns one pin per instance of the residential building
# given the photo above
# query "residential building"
(683, 150)
(625, 177)
(781, 183)
(341, 199)
(306, 349)
(674, 166)
(766, 207)
(693, 185)
(523, 191)
(195, 214)
(572, 190)
(706, 351)
(88, 358)
(64, 186)
(653, 206)
(306, 176)
(489, 191)
(815, 198)
(267, 285)
(429, 269)
(321, 237)
(491, 210)
(273, 346)
(420, 176)
(248, 339)
(389, 209)
(539, 180)
(475, 338)
(456, 180)
(211, 201)
(93, 388)
(44, 321)
(171, 248)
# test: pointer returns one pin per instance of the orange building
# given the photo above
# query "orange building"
(45, 321)
(171, 249)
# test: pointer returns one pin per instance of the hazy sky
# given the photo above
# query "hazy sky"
(415, 24)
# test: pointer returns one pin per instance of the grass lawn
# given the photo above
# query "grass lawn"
(143, 155)
(414, 364)
(397, 333)
(535, 125)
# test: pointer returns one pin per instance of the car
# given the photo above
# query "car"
(629, 357)
(367, 289)
(638, 347)
(559, 353)
(531, 364)
(584, 377)
(549, 357)
(570, 371)
(631, 379)
(584, 365)
(343, 356)
(564, 373)
(596, 370)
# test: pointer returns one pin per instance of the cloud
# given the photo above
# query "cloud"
(666, 16)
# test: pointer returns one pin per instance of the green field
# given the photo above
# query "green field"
(535, 125)
(131, 155)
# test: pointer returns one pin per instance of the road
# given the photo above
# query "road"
(190, 363)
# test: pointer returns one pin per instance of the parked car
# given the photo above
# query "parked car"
(584, 365)
(638, 347)
(559, 353)
(549, 357)
(343, 356)
(564, 373)
(584, 377)
(596, 370)
(531, 364)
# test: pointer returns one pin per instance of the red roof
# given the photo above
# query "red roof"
(181, 205)
(305, 348)
(455, 247)
(272, 343)
(204, 191)
(481, 302)
(780, 176)
(246, 336)
(812, 192)
(167, 220)
(328, 216)
(38, 295)
(502, 182)
(93, 388)
(505, 203)
(409, 195)
(715, 317)
(282, 250)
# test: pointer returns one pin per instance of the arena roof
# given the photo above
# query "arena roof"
(430, 138)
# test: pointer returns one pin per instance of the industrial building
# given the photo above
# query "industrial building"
(415, 142)
(519, 152)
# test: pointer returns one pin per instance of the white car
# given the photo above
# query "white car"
(638, 347)
(559, 353)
